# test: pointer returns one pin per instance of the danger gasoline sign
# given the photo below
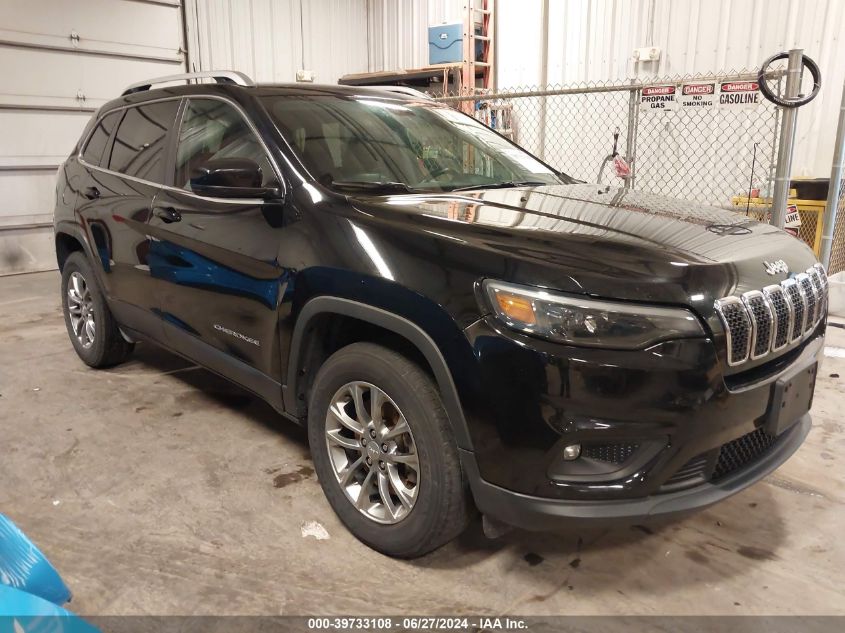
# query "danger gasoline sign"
(739, 95)
(698, 96)
(658, 98)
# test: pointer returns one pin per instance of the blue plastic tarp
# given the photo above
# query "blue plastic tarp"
(22, 612)
(24, 567)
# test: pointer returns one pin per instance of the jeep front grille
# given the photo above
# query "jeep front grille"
(762, 322)
(812, 299)
(782, 311)
(796, 297)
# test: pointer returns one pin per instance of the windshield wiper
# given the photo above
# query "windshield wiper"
(502, 185)
(373, 186)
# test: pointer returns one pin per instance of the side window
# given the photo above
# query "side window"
(93, 153)
(140, 145)
(213, 129)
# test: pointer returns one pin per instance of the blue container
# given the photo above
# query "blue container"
(445, 44)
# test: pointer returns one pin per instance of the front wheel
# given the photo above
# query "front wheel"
(384, 451)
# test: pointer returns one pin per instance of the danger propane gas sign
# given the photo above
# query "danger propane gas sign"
(658, 98)
(739, 95)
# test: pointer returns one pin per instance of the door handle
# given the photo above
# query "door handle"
(167, 214)
(92, 193)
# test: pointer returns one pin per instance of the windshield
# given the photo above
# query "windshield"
(371, 143)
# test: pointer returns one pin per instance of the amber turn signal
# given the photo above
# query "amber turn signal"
(516, 307)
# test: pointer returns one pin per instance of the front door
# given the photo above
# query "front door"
(215, 260)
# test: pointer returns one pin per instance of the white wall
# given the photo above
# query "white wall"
(592, 40)
(270, 40)
(52, 82)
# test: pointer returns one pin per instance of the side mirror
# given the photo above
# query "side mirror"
(230, 178)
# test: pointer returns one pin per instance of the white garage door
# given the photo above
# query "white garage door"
(60, 61)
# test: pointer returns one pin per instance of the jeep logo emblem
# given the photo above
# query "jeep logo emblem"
(775, 267)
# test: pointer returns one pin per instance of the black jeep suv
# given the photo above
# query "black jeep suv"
(458, 325)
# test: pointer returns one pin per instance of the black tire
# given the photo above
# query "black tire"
(107, 347)
(442, 508)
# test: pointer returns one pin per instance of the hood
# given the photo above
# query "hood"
(605, 241)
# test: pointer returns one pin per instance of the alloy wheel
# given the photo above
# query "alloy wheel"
(80, 307)
(372, 452)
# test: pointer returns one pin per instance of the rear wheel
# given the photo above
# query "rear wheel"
(384, 452)
(90, 325)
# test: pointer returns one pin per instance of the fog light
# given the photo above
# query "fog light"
(573, 451)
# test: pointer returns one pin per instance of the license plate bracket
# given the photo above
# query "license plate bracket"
(792, 397)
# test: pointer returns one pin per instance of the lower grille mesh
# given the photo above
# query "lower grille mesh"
(742, 451)
(692, 472)
(610, 453)
(718, 463)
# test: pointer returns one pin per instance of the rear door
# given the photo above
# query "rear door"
(125, 161)
(216, 259)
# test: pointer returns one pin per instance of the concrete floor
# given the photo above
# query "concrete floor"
(156, 487)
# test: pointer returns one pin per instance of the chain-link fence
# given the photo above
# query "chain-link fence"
(688, 146)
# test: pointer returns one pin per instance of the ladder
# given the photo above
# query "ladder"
(482, 15)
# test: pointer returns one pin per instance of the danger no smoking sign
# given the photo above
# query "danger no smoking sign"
(730, 95)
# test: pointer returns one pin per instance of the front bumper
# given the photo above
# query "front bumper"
(672, 406)
(538, 513)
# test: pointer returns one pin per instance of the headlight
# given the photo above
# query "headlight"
(588, 322)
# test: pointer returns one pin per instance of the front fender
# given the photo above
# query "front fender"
(422, 322)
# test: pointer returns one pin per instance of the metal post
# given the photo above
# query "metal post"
(835, 184)
(631, 137)
(787, 139)
(544, 76)
(773, 163)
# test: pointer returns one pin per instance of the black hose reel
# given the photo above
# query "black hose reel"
(786, 102)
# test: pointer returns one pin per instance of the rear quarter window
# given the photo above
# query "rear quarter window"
(99, 138)
(140, 143)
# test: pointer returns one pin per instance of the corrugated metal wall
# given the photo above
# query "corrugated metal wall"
(592, 40)
(271, 39)
(398, 30)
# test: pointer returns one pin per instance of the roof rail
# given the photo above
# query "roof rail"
(220, 76)
(402, 90)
